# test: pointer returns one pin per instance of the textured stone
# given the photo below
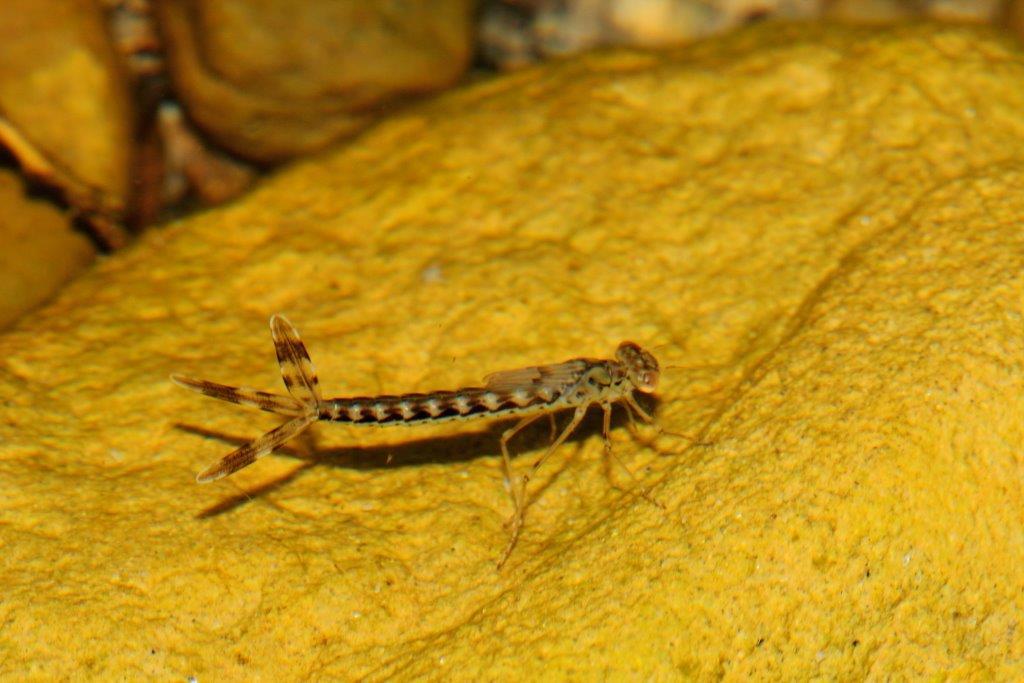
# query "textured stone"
(273, 80)
(822, 224)
(39, 251)
(64, 103)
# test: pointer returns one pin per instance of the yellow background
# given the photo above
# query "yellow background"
(822, 225)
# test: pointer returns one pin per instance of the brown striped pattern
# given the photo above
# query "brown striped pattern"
(257, 448)
(528, 392)
(437, 406)
(297, 369)
(272, 403)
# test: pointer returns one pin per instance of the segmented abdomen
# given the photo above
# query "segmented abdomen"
(438, 406)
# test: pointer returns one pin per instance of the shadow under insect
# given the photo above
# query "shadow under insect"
(413, 452)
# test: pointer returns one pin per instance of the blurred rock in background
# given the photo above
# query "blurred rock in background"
(118, 114)
(514, 33)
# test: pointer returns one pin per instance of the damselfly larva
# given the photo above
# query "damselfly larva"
(527, 393)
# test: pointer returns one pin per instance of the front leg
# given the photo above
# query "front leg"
(610, 454)
(632, 406)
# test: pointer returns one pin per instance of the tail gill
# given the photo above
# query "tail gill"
(302, 405)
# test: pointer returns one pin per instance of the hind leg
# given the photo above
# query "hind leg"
(517, 521)
(517, 493)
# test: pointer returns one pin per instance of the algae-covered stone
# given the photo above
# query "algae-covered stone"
(820, 225)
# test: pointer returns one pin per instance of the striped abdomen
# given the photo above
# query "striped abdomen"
(438, 406)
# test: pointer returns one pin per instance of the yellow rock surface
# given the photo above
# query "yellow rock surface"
(823, 223)
(39, 250)
(274, 81)
(65, 105)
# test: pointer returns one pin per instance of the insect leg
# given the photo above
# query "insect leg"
(506, 436)
(644, 415)
(606, 428)
(577, 417)
(633, 406)
(610, 454)
(517, 520)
